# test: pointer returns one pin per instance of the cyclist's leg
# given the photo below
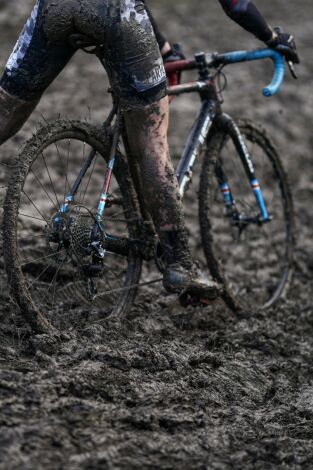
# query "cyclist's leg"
(147, 129)
(32, 66)
(13, 114)
(137, 74)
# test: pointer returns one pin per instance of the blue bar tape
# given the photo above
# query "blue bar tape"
(258, 54)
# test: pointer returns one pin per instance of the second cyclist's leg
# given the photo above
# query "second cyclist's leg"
(32, 66)
(145, 105)
(13, 114)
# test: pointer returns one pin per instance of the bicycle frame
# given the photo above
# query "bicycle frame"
(210, 113)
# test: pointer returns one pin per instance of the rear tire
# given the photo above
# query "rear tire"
(34, 194)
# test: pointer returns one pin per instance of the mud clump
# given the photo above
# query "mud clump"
(155, 395)
(171, 388)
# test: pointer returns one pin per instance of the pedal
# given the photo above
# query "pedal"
(187, 300)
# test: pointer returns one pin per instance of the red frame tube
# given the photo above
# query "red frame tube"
(179, 66)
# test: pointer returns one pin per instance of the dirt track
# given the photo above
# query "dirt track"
(172, 389)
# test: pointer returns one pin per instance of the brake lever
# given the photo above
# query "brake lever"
(292, 69)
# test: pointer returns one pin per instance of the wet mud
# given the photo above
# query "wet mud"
(171, 388)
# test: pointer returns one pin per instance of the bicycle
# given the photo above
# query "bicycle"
(66, 248)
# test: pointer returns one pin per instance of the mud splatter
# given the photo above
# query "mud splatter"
(13, 114)
(172, 388)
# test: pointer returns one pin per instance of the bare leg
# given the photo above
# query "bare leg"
(13, 114)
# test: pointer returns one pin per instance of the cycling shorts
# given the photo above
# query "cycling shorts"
(131, 54)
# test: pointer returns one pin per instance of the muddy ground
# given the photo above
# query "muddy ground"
(172, 388)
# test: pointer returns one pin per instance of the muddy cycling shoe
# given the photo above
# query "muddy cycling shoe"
(180, 274)
(178, 280)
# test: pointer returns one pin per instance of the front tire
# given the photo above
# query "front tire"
(255, 265)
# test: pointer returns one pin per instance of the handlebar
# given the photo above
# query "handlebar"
(258, 54)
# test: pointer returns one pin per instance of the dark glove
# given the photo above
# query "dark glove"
(285, 44)
(174, 54)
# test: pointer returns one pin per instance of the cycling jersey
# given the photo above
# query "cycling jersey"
(126, 28)
(131, 54)
(244, 12)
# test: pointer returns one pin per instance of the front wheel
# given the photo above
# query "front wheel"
(253, 259)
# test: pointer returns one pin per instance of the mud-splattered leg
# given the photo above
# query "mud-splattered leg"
(147, 134)
(13, 114)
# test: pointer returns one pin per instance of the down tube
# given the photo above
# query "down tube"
(194, 142)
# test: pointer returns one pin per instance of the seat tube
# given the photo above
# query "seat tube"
(105, 192)
(109, 170)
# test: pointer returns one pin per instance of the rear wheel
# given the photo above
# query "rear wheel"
(254, 260)
(55, 273)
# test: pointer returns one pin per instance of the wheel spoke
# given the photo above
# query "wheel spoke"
(66, 170)
(62, 164)
(89, 179)
(32, 217)
(52, 283)
(50, 259)
(39, 275)
(46, 192)
(42, 258)
(34, 205)
(49, 176)
(33, 237)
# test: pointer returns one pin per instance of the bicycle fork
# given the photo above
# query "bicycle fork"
(225, 122)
